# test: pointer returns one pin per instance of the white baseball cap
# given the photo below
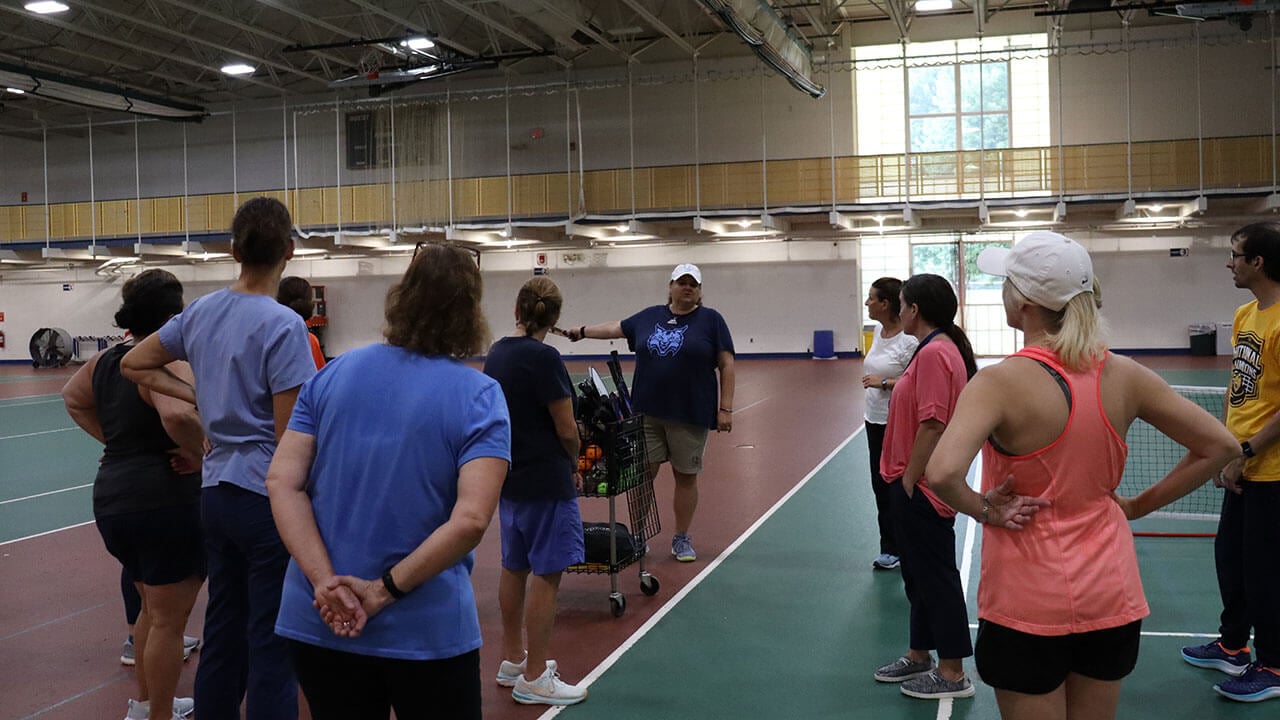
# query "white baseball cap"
(687, 269)
(1048, 268)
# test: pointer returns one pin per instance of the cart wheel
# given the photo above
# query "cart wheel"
(648, 584)
(618, 601)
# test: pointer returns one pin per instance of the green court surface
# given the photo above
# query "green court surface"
(792, 624)
(49, 465)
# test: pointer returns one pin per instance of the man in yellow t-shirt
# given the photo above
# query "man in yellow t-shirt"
(1249, 529)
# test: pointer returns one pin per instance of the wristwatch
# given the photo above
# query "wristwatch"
(1247, 449)
(884, 383)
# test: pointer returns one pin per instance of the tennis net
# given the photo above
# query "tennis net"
(1152, 455)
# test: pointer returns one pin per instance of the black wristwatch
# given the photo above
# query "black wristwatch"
(390, 585)
(1247, 449)
(884, 383)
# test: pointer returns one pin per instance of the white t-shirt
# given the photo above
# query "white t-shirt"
(887, 358)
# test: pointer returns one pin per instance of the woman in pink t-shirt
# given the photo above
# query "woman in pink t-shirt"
(919, 408)
(1060, 602)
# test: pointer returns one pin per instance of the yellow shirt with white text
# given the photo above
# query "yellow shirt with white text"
(1254, 395)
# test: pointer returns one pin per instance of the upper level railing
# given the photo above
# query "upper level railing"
(1160, 166)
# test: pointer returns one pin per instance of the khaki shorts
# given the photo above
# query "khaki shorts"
(679, 443)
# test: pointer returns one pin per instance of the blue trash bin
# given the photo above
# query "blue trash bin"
(824, 345)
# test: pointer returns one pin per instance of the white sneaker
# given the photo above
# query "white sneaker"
(509, 672)
(182, 708)
(548, 689)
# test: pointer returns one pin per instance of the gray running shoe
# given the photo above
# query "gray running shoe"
(128, 656)
(904, 668)
(886, 561)
(932, 686)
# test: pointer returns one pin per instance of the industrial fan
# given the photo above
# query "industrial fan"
(50, 347)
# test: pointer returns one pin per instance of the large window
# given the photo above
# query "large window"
(959, 107)
(954, 258)
(967, 94)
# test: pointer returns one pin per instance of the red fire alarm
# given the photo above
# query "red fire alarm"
(24, 196)
(536, 133)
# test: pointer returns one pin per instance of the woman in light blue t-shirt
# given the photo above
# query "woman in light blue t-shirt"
(249, 355)
(383, 485)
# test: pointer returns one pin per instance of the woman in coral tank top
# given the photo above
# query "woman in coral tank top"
(1060, 602)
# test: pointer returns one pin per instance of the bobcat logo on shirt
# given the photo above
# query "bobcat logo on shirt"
(666, 343)
(1246, 369)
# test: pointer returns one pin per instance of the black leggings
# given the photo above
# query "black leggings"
(343, 686)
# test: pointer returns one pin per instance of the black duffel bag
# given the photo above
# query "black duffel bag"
(595, 537)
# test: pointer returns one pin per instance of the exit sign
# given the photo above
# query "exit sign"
(1179, 252)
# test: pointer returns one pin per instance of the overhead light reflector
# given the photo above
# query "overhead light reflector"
(933, 5)
(418, 43)
(46, 7)
(238, 69)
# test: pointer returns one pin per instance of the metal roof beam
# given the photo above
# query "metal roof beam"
(102, 37)
(163, 30)
(409, 24)
(250, 29)
(656, 23)
(499, 27)
(582, 27)
(335, 29)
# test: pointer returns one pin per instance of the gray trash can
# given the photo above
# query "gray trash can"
(1202, 338)
(1224, 339)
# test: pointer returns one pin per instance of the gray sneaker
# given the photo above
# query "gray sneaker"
(130, 658)
(932, 686)
(904, 668)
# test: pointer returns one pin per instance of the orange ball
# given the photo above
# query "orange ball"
(594, 452)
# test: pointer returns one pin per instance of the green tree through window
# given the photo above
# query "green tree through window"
(959, 107)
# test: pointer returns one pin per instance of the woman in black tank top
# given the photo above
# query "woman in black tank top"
(147, 489)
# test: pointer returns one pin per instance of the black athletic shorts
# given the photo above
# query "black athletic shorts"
(1008, 659)
(157, 547)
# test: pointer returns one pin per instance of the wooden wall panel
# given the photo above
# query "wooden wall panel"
(672, 187)
(33, 222)
(11, 228)
(115, 218)
(222, 210)
(742, 185)
(492, 200)
(1236, 162)
(310, 210)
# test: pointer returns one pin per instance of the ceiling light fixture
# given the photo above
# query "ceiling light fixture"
(923, 6)
(15, 91)
(46, 7)
(238, 68)
(418, 42)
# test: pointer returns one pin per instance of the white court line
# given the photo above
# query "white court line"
(42, 432)
(40, 495)
(46, 401)
(751, 405)
(46, 532)
(649, 624)
(946, 705)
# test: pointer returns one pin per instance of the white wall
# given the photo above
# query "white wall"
(1149, 298)
(773, 296)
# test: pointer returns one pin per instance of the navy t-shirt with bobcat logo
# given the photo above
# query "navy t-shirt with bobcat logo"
(676, 360)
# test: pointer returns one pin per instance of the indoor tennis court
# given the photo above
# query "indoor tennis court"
(784, 619)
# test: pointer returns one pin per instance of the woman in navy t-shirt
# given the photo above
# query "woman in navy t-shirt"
(541, 524)
(680, 347)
